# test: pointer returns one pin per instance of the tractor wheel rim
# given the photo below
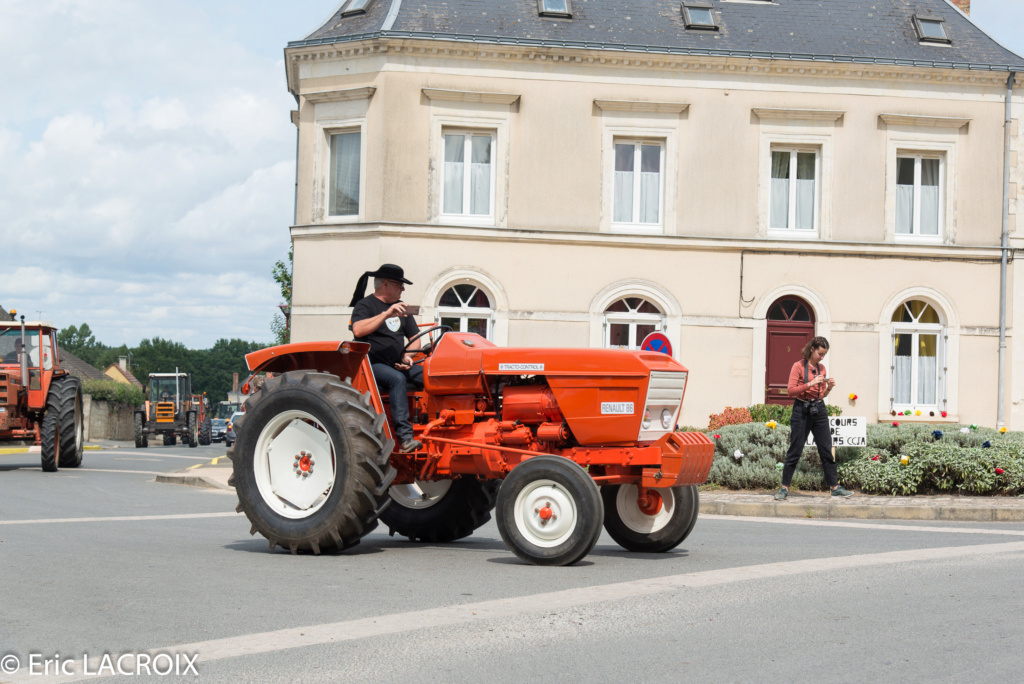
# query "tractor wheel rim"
(79, 426)
(627, 505)
(420, 494)
(288, 439)
(545, 513)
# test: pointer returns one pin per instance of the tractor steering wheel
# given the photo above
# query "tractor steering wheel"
(425, 350)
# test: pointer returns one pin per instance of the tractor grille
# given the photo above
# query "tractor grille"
(664, 393)
(165, 412)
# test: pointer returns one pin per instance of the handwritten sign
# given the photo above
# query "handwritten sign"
(846, 431)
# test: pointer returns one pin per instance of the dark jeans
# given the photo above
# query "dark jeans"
(801, 424)
(396, 384)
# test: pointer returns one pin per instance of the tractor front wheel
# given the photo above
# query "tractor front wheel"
(205, 432)
(192, 425)
(652, 521)
(311, 464)
(140, 435)
(549, 511)
(440, 511)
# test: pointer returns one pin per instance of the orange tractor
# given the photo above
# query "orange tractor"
(172, 411)
(558, 442)
(39, 401)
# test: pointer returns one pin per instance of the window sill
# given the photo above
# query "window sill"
(638, 229)
(888, 418)
(903, 238)
(464, 220)
(354, 218)
(792, 234)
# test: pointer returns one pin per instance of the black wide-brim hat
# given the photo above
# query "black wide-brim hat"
(391, 272)
(387, 271)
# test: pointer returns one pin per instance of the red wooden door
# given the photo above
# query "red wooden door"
(790, 327)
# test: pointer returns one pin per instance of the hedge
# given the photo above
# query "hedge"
(938, 459)
(114, 392)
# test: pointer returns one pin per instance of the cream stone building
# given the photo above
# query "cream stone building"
(739, 174)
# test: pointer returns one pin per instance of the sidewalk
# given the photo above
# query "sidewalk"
(762, 504)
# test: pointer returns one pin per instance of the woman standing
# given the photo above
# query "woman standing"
(809, 384)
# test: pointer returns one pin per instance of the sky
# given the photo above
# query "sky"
(147, 160)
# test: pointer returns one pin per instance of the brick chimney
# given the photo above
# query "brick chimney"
(964, 5)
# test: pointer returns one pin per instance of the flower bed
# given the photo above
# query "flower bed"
(909, 459)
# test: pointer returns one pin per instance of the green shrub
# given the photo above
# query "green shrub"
(114, 392)
(761, 449)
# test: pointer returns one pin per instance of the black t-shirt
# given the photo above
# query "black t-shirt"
(387, 341)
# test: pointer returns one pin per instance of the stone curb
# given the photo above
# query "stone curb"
(863, 512)
(192, 480)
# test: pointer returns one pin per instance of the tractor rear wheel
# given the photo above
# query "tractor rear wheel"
(440, 511)
(170, 440)
(140, 436)
(311, 464)
(63, 428)
(205, 432)
(192, 425)
(549, 511)
(659, 522)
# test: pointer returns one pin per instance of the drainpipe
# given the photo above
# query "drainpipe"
(24, 355)
(1000, 419)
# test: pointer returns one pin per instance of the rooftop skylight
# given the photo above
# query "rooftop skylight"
(555, 8)
(931, 29)
(355, 7)
(699, 16)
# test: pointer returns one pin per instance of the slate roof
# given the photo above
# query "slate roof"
(126, 374)
(862, 31)
(77, 367)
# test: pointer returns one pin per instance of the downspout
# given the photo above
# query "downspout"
(1000, 418)
(24, 355)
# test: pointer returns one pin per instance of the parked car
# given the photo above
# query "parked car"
(229, 435)
(218, 428)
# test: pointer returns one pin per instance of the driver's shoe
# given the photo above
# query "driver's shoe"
(410, 445)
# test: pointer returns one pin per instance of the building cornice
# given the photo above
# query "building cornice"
(766, 65)
(470, 96)
(799, 114)
(662, 242)
(924, 121)
(641, 106)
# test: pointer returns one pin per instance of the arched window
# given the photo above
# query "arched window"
(466, 308)
(918, 340)
(629, 320)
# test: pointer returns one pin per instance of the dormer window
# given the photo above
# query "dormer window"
(355, 7)
(699, 16)
(554, 8)
(931, 29)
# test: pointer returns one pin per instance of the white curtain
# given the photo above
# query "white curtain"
(926, 379)
(622, 211)
(929, 196)
(344, 190)
(480, 176)
(650, 191)
(454, 168)
(780, 190)
(905, 209)
(805, 204)
(901, 376)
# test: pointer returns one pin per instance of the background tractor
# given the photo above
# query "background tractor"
(39, 401)
(171, 411)
(558, 442)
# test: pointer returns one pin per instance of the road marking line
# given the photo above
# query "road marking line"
(863, 526)
(197, 465)
(121, 518)
(363, 628)
(156, 454)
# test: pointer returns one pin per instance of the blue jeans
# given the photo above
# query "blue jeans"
(396, 384)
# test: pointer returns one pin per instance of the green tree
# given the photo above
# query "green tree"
(282, 273)
(80, 341)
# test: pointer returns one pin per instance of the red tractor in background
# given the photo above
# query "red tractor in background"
(39, 401)
(558, 441)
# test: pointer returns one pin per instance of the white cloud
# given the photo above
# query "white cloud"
(146, 167)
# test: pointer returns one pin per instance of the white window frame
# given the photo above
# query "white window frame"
(791, 230)
(918, 156)
(932, 140)
(467, 179)
(322, 168)
(632, 319)
(915, 330)
(636, 225)
(464, 313)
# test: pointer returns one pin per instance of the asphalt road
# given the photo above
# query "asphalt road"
(103, 560)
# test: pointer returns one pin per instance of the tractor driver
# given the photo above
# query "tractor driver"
(14, 356)
(381, 320)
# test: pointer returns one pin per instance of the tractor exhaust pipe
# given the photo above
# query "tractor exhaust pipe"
(24, 355)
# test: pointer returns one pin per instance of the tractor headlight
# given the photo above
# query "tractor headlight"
(666, 419)
(646, 423)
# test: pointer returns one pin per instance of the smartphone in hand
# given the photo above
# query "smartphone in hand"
(411, 310)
